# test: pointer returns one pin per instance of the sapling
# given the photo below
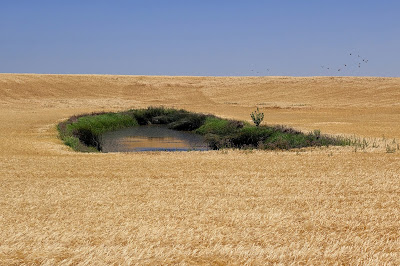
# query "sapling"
(257, 117)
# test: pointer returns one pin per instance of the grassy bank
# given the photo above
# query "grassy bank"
(83, 133)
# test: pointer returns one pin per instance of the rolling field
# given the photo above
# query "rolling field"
(313, 206)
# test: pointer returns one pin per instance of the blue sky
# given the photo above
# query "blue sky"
(202, 38)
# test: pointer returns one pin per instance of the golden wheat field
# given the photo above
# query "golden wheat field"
(310, 206)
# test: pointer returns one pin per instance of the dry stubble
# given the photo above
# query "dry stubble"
(309, 206)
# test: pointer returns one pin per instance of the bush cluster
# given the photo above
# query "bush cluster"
(83, 133)
(263, 137)
(175, 119)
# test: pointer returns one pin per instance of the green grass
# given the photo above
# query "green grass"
(83, 133)
(215, 125)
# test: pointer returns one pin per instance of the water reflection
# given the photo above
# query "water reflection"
(151, 138)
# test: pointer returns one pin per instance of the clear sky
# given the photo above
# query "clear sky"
(201, 37)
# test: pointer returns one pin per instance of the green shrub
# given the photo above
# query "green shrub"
(71, 141)
(257, 117)
(188, 123)
(219, 126)
(83, 133)
(157, 115)
(251, 136)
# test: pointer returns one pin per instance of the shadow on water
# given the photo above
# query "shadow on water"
(151, 138)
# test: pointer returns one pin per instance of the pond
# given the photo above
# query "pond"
(151, 138)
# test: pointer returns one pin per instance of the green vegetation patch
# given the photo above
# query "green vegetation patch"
(83, 133)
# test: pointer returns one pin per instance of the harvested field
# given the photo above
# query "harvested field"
(311, 206)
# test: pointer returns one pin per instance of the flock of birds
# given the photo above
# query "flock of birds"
(358, 61)
(258, 72)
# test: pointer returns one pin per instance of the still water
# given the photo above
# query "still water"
(151, 138)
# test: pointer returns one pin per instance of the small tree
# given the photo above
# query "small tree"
(257, 117)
